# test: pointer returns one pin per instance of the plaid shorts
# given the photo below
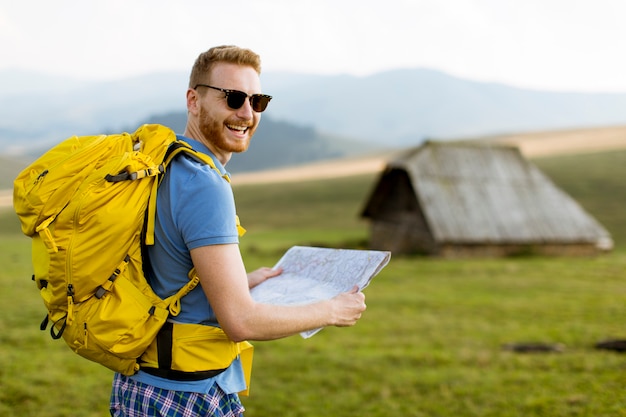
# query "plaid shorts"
(130, 398)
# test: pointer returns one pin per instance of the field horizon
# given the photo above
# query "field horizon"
(533, 145)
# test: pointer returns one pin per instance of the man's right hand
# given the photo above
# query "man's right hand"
(348, 307)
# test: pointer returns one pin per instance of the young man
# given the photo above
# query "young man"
(197, 227)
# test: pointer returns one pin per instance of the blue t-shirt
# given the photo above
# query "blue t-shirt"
(195, 207)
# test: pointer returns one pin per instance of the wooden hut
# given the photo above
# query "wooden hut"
(471, 199)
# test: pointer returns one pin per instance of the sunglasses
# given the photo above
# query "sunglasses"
(235, 98)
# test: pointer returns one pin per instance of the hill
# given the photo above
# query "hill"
(275, 144)
(279, 144)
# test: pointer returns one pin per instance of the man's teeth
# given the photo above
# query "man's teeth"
(239, 128)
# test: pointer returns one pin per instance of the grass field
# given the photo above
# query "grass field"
(430, 344)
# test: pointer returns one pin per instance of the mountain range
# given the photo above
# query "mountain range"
(340, 113)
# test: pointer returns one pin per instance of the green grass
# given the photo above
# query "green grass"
(430, 343)
(38, 376)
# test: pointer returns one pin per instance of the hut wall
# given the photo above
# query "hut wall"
(403, 234)
(398, 224)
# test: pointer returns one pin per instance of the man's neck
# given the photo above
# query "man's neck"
(193, 132)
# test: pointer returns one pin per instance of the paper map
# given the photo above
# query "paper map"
(313, 274)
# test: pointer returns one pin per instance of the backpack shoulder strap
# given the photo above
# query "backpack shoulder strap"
(180, 146)
(176, 148)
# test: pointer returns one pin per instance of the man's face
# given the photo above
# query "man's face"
(228, 130)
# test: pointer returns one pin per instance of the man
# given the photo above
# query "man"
(197, 227)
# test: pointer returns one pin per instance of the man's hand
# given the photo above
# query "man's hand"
(348, 307)
(262, 274)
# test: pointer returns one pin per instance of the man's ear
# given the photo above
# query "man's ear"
(192, 101)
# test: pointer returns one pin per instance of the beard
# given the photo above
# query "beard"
(213, 132)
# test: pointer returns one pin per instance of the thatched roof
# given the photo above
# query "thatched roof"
(475, 193)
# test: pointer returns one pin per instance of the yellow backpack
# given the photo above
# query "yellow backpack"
(88, 204)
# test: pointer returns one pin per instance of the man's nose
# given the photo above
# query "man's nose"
(245, 111)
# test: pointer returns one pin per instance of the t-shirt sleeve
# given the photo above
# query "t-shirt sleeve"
(203, 205)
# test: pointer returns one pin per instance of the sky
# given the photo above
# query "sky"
(555, 45)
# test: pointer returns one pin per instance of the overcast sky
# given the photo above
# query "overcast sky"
(565, 45)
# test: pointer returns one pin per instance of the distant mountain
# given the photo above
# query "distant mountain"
(38, 111)
(394, 108)
(403, 106)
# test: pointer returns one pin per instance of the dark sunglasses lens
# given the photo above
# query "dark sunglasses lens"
(235, 99)
(260, 102)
